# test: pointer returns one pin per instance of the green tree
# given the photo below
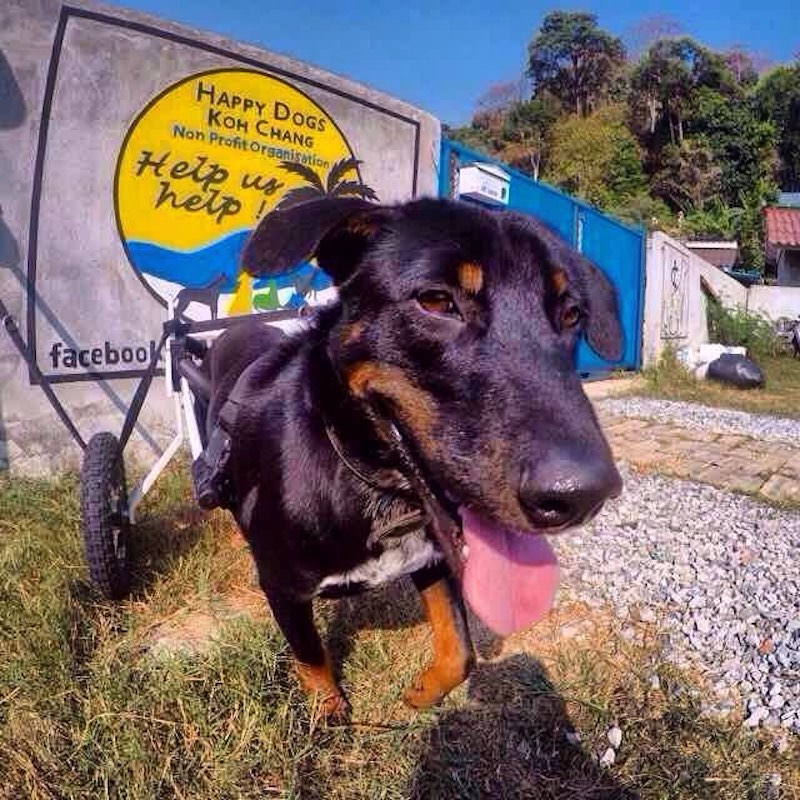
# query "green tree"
(471, 137)
(667, 77)
(716, 220)
(596, 158)
(777, 99)
(687, 177)
(742, 65)
(740, 143)
(750, 228)
(574, 59)
(526, 132)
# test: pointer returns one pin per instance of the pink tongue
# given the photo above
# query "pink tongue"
(510, 578)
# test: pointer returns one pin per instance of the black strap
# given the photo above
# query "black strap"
(229, 410)
(442, 524)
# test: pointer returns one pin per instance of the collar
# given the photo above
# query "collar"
(439, 518)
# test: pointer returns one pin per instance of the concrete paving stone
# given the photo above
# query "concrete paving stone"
(742, 466)
(631, 425)
(743, 483)
(730, 461)
(635, 455)
(734, 440)
(680, 469)
(778, 449)
(611, 420)
(660, 430)
(681, 446)
(792, 466)
(705, 436)
(711, 474)
(781, 489)
(772, 463)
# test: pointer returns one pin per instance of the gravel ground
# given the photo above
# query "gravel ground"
(706, 418)
(717, 571)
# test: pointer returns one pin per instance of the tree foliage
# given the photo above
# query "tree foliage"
(596, 158)
(777, 99)
(679, 137)
(574, 59)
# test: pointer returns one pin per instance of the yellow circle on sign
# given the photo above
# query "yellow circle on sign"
(207, 158)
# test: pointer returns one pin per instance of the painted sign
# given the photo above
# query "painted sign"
(675, 303)
(201, 164)
(147, 178)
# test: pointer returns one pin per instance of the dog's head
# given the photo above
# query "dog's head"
(462, 325)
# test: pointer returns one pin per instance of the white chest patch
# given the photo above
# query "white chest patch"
(414, 551)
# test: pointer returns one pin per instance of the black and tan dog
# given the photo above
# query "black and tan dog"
(442, 378)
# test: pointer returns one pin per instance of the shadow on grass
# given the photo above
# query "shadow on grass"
(509, 742)
(160, 539)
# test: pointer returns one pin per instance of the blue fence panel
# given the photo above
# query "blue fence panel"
(616, 248)
(619, 251)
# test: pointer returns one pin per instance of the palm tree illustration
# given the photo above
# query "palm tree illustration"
(336, 184)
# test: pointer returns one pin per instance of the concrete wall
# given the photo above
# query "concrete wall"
(774, 302)
(675, 304)
(730, 292)
(674, 313)
(96, 236)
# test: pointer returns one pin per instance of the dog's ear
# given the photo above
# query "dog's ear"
(603, 329)
(335, 230)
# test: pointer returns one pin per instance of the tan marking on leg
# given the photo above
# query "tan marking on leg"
(559, 281)
(416, 408)
(351, 332)
(318, 681)
(470, 276)
(452, 652)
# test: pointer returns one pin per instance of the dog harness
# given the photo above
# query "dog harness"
(213, 486)
(211, 478)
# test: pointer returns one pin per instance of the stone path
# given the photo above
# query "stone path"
(731, 461)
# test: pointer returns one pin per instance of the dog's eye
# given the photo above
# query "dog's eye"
(440, 303)
(570, 316)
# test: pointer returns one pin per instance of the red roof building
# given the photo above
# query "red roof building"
(783, 239)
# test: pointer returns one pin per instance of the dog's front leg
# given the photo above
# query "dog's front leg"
(296, 620)
(453, 654)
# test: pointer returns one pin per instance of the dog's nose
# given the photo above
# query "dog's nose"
(567, 488)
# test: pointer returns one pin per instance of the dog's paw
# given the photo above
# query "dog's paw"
(423, 694)
(329, 702)
(431, 686)
(333, 709)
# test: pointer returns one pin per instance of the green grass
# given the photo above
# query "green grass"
(780, 395)
(137, 700)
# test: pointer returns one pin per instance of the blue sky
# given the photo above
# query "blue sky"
(442, 55)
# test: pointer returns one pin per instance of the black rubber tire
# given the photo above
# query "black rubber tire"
(104, 516)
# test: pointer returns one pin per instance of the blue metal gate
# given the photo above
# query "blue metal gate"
(618, 249)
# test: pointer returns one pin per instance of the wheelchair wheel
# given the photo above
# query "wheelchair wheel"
(104, 515)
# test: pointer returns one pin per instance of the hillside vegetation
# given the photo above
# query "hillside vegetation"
(665, 133)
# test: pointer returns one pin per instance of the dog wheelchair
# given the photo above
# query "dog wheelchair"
(108, 507)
